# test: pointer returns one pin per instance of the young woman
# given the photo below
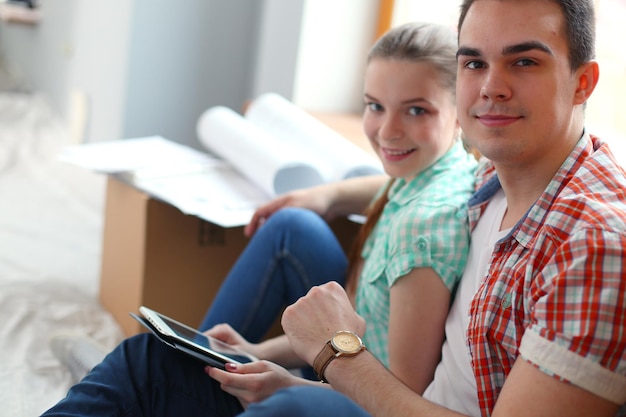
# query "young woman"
(405, 264)
(412, 249)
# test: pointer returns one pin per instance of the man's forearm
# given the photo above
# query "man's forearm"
(366, 381)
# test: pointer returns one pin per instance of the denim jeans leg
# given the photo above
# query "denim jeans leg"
(145, 377)
(292, 252)
(305, 401)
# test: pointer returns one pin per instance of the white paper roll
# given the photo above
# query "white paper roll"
(273, 165)
(281, 118)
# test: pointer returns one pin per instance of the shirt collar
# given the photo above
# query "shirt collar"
(525, 229)
(403, 191)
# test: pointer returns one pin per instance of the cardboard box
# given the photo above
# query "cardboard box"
(155, 255)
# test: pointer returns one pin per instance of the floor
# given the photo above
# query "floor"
(51, 219)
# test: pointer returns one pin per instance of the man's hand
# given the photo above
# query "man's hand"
(310, 321)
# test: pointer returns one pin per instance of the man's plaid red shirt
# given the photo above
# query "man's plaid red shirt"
(556, 288)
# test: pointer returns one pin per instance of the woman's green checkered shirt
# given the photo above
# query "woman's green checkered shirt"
(424, 224)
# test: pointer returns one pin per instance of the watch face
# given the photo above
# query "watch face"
(346, 342)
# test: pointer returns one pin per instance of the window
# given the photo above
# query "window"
(604, 111)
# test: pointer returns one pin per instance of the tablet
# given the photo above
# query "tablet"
(209, 350)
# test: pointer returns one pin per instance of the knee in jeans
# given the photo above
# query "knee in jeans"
(295, 219)
(292, 401)
(306, 401)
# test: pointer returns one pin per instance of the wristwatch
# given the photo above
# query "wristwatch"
(342, 343)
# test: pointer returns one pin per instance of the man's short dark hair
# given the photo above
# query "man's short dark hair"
(580, 28)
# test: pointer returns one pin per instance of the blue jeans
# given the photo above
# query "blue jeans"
(145, 377)
(292, 252)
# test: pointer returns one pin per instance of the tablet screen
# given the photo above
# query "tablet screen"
(213, 344)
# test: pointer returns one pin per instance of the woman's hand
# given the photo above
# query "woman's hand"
(254, 381)
(227, 334)
(276, 349)
(317, 199)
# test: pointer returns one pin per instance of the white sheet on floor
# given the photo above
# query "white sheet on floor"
(51, 218)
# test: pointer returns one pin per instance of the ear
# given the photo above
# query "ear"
(587, 78)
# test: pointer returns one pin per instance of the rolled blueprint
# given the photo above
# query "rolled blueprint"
(281, 118)
(272, 164)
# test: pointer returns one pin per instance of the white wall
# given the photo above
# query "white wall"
(446, 12)
(152, 66)
(184, 57)
(335, 39)
(42, 54)
(148, 66)
(79, 45)
(277, 47)
(98, 49)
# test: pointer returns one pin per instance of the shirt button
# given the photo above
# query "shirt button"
(506, 301)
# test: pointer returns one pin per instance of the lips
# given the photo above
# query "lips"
(397, 152)
(396, 155)
(497, 120)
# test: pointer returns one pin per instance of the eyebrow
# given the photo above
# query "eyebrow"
(509, 50)
(416, 100)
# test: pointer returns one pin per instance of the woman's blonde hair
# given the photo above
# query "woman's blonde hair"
(431, 43)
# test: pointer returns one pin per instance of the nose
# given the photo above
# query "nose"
(391, 128)
(495, 86)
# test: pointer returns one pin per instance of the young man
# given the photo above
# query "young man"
(538, 325)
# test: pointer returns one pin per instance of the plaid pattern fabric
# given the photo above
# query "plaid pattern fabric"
(556, 288)
(424, 224)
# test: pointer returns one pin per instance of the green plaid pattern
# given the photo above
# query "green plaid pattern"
(424, 224)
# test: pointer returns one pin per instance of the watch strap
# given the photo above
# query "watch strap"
(326, 355)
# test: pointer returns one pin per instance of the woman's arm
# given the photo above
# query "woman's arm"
(353, 195)
(418, 307)
(328, 200)
(278, 350)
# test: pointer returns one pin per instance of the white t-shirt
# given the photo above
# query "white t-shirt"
(454, 386)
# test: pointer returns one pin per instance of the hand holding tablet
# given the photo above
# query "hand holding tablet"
(209, 350)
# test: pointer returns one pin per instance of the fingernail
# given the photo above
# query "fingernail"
(231, 367)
